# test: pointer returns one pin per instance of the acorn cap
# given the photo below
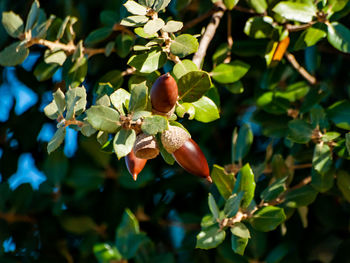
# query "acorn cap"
(174, 138)
(145, 146)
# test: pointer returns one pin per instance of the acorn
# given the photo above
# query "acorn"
(145, 146)
(164, 94)
(134, 164)
(185, 151)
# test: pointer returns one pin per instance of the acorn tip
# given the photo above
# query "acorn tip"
(209, 179)
(134, 176)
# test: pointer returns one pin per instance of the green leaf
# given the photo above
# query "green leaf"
(114, 77)
(210, 237)
(339, 113)
(147, 3)
(339, 36)
(60, 100)
(206, 110)
(193, 85)
(139, 97)
(259, 6)
(56, 140)
(238, 244)
(105, 253)
(87, 130)
(167, 157)
(141, 32)
(124, 43)
(135, 8)
(280, 169)
(274, 190)
(74, 73)
(301, 12)
(148, 62)
(173, 26)
(33, 15)
(154, 124)
(123, 142)
(334, 6)
(44, 71)
(231, 72)
(233, 204)
(153, 26)
(245, 183)
(243, 143)
(160, 4)
(14, 54)
(302, 196)
(109, 48)
(347, 142)
(299, 131)
(98, 35)
(103, 118)
(267, 218)
(109, 17)
(235, 87)
(134, 21)
(322, 182)
(78, 225)
(311, 36)
(223, 181)
(183, 67)
(278, 253)
(322, 159)
(51, 111)
(120, 98)
(186, 108)
(184, 45)
(239, 229)
(213, 206)
(230, 4)
(13, 24)
(259, 27)
(77, 98)
(56, 56)
(129, 238)
(343, 182)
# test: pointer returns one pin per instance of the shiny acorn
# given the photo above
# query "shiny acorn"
(134, 164)
(185, 151)
(164, 94)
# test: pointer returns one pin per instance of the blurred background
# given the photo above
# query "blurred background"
(55, 208)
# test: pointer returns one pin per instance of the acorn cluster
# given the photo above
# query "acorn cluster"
(175, 140)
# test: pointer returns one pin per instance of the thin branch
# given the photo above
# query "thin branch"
(208, 36)
(13, 218)
(199, 19)
(244, 10)
(128, 71)
(229, 37)
(302, 71)
(295, 28)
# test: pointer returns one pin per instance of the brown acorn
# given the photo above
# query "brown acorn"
(185, 151)
(134, 164)
(146, 146)
(164, 94)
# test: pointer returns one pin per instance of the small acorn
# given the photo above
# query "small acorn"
(164, 94)
(145, 146)
(185, 151)
(134, 164)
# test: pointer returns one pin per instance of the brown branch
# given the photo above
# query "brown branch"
(119, 27)
(229, 37)
(13, 218)
(128, 71)
(245, 10)
(208, 35)
(302, 71)
(295, 28)
(199, 19)
(304, 182)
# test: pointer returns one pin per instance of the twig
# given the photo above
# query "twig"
(208, 36)
(13, 218)
(199, 19)
(229, 37)
(294, 167)
(306, 75)
(244, 10)
(128, 71)
(295, 28)
(304, 182)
